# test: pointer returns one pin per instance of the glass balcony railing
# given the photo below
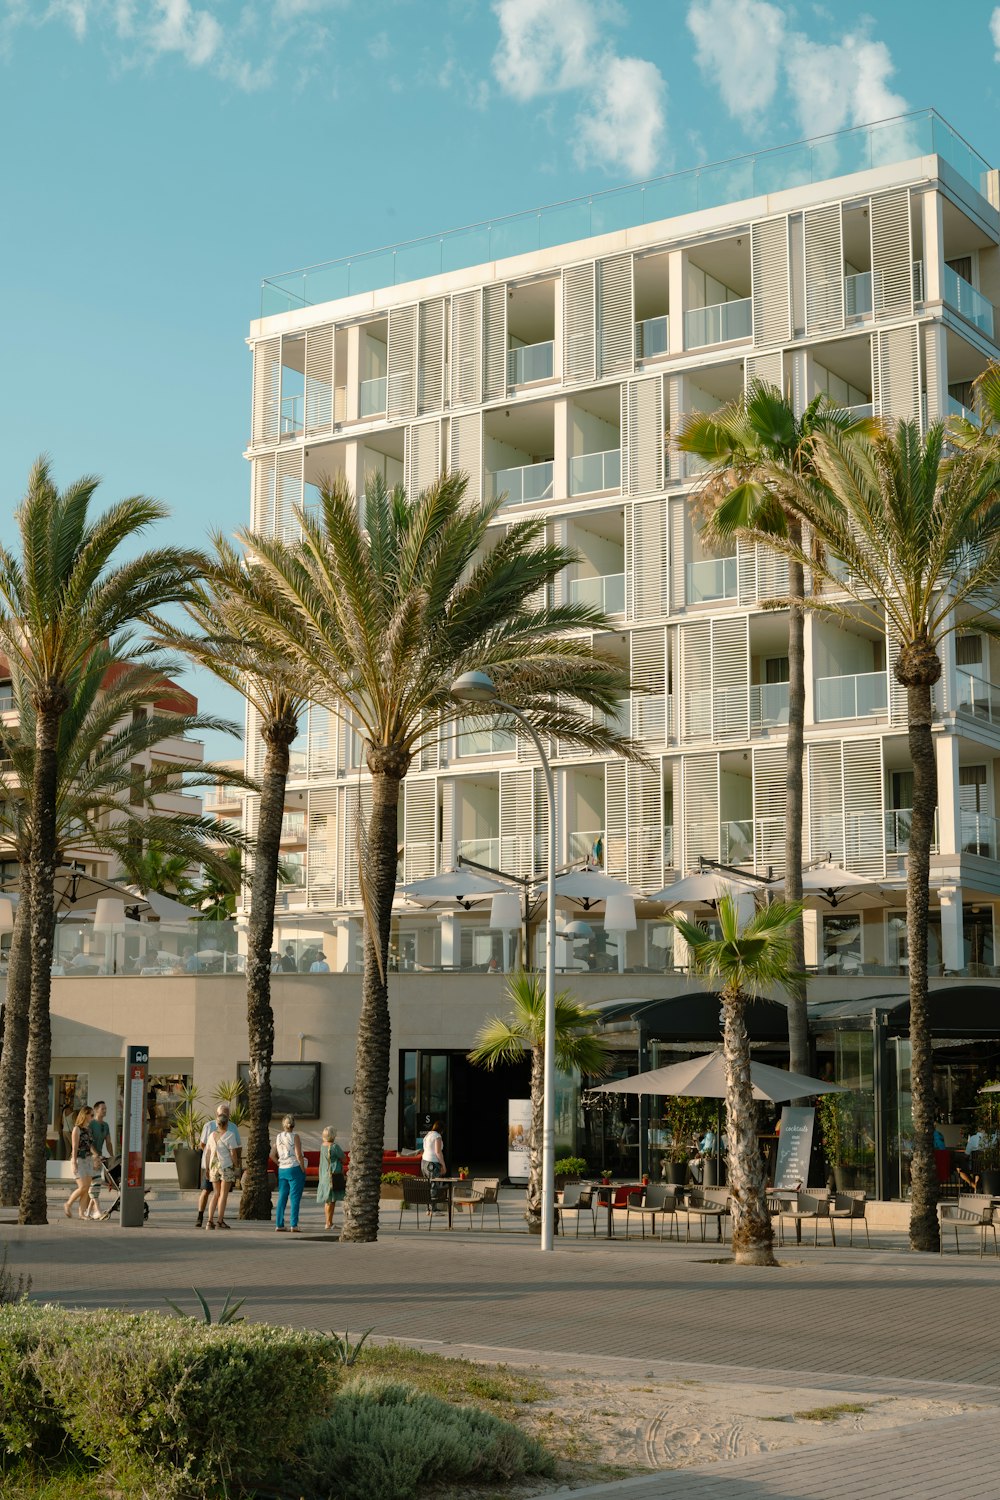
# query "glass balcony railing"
(712, 578)
(621, 721)
(955, 408)
(529, 363)
(970, 304)
(768, 705)
(590, 473)
(372, 396)
(898, 821)
(587, 844)
(736, 842)
(481, 851)
(652, 337)
(858, 294)
(293, 826)
(606, 592)
(486, 741)
(531, 482)
(292, 408)
(858, 697)
(978, 834)
(719, 324)
(978, 697)
(858, 412)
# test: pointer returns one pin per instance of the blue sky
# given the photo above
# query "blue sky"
(162, 156)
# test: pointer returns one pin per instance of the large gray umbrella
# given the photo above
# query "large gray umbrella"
(705, 1078)
(461, 886)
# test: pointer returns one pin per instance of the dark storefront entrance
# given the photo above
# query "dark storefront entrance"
(470, 1102)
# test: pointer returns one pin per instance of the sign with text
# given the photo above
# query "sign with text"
(134, 1138)
(791, 1168)
(518, 1139)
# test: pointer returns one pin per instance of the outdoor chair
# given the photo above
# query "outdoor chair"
(480, 1193)
(657, 1198)
(850, 1207)
(578, 1198)
(974, 1212)
(705, 1204)
(417, 1195)
(799, 1209)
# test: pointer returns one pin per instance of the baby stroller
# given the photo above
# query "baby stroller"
(112, 1177)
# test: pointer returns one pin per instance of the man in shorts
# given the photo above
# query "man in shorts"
(224, 1151)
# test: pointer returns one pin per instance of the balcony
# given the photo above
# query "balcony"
(859, 697)
(486, 741)
(530, 482)
(768, 705)
(591, 473)
(652, 337)
(293, 827)
(962, 297)
(712, 578)
(372, 397)
(292, 415)
(978, 834)
(977, 697)
(606, 593)
(530, 363)
(736, 842)
(898, 821)
(719, 324)
(858, 291)
(861, 412)
(587, 844)
(480, 851)
(956, 409)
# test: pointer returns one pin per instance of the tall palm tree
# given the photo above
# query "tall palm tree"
(914, 540)
(746, 959)
(388, 614)
(505, 1039)
(755, 448)
(67, 591)
(101, 806)
(229, 641)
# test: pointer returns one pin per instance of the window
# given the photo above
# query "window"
(969, 650)
(775, 669)
(841, 945)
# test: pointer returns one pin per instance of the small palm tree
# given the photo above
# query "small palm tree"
(755, 448)
(505, 1039)
(66, 592)
(387, 615)
(914, 539)
(746, 959)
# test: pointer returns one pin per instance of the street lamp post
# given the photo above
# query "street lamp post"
(477, 687)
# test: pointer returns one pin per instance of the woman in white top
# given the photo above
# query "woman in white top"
(432, 1161)
(291, 1174)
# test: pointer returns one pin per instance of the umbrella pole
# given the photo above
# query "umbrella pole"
(718, 1142)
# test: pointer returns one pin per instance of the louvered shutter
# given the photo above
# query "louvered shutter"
(826, 802)
(673, 459)
(696, 680)
(935, 371)
(430, 356)
(892, 254)
(730, 678)
(824, 243)
(466, 438)
(700, 782)
(401, 385)
(288, 494)
(466, 348)
(449, 829)
(647, 562)
(540, 844)
(649, 685)
(321, 846)
(319, 381)
(772, 321)
(517, 822)
(357, 810)
(321, 741)
(677, 553)
(615, 820)
(419, 829)
(431, 749)
(494, 342)
(798, 360)
(266, 391)
(251, 823)
(764, 367)
(770, 804)
(896, 372)
(579, 354)
(262, 501)
(864, 817)
(896, 690)
(644, 787)
(615, 315)
(423, 456)
(255, 749)
(642, 435)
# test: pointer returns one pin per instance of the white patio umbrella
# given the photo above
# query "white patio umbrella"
(590, 886)
(461, 886)
(706, 888)
(828, 886)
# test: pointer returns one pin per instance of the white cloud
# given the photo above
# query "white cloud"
(750, 30)
(995, 31)
(841, 84)
(561, 46)
(177, 27)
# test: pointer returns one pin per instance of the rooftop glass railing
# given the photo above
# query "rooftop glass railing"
(529, 363)
(972, 305)
(904, 138)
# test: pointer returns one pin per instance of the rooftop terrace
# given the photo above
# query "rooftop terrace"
(903, 138)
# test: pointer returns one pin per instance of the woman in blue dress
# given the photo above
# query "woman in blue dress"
(330, 1186)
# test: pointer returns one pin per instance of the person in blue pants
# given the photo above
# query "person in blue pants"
(291, 1174)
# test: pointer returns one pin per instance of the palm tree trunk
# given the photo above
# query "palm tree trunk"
(798, 1027)
(43, 871)
(255, 1198)
(753, 1243)
(533, 1199)
(924, 1233)
(371, 1065)
(14, 1058)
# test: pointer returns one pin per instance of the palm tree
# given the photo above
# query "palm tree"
(755, 448)
(387, 615)
(505, 1039)
(65, 593)
(747, 959)
(914, 540)
(101, 806)
(168, 874)
(231, 640)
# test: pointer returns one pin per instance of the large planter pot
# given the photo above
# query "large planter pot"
(989, 1181)
(715, 1172)
(393, 1191)
(845, 1177)
(188, 1164)
(676, 1173)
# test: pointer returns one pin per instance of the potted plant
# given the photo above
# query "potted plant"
(569, 1169)
(681, 1117)
(837, 1127)
(185, 1133)
(392, 1185)
(463, 1174)
(986, 1157)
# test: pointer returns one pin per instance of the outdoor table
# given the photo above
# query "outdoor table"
(449, 1184)
(610, 1188)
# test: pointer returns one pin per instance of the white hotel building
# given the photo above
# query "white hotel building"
(549, 356)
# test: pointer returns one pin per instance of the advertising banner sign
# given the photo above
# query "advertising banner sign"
(518, 1138)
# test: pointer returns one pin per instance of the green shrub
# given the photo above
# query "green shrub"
(385, 1440)
(393, 1179)
(570, 1166)
(189, 1406)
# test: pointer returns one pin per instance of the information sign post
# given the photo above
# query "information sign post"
(133, 1182)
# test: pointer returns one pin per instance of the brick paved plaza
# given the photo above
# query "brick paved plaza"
(880, 1320)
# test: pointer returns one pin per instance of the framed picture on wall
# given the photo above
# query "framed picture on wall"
(294, 1088)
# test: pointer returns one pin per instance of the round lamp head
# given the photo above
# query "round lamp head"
(577, 931)
(474, 687)
(109, 912)
(619, 914)
(505, 912)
